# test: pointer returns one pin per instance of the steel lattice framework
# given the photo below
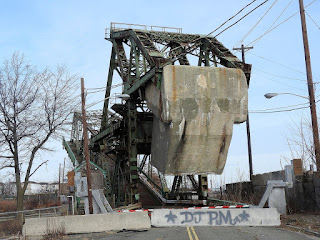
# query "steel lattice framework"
(138, 55)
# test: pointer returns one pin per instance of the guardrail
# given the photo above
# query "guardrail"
(115, 26)
(35, 213)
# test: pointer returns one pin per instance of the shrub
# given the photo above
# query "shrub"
(10, 227)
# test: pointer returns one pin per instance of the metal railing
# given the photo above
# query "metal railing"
(35, 213)
(114, 26)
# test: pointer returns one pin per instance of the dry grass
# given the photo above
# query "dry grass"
(13, 227)
(11, 205)
(10, 227)
(55, 234)
(303, 222)
(241, 192)
(8, 205)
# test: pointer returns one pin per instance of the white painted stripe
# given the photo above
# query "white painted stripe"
(191, 208)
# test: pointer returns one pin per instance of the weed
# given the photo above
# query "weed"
(10, 227)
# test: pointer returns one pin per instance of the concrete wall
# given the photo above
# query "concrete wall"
(215, 217)
(86, 223)
(259, 181)
(303, 196)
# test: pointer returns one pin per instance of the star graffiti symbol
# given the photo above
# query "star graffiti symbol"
(171, 217)
(244, 216)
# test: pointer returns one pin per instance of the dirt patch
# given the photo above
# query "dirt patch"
(308, 223)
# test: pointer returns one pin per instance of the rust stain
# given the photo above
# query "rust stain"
(224, 75)
(174, 88)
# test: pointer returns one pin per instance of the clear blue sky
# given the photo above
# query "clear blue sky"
(72, 32)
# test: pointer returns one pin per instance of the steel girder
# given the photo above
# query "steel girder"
(138, 56)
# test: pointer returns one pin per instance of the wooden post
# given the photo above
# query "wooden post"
(247, 122)
(314, 120)
(86, 147)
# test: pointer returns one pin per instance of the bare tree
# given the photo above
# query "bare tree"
(34, 107)
(300, 141)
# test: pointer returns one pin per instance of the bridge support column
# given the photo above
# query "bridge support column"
(132, 150)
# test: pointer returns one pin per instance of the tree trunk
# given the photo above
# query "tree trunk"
(20, 207)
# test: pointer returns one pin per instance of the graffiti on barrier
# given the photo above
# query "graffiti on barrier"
(207, 217)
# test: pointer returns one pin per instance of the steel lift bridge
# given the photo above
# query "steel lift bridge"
(176, 118)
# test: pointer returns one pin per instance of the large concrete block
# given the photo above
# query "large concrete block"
(86, 223)
(215, 217)
(194, 115)
(277, 199)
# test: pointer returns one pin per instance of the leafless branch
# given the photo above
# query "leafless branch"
(35, 106)
(45, 162)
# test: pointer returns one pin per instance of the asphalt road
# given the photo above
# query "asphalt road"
(199, 233)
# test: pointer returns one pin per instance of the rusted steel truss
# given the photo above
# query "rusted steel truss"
(138, 55)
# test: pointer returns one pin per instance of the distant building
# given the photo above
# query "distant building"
(42, 187)
(10, 189)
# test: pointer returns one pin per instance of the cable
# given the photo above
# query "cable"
(104, 88)
(287, 110)
(242, 18)
(268, 109)
(96, 88)
(231, 18)
(245, 36)
(276, 19)
(253, 42)
(193, 47)
(279, 24)
(283, 83)
(264, 110)
(282, 65)
(312, 20)
(297, 79)
(277, 63)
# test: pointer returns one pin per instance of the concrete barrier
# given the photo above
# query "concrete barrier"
(215, 217)
(86, 223)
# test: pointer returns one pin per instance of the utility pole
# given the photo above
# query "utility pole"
(312, 102)
(59, 180)
(64, 167)
(86, 148)
(247, 122)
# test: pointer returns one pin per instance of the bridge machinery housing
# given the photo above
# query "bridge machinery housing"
(176, 119)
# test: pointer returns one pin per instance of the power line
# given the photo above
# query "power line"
(312, 20)
(191, 48)
(286, 110)
(241, 18)
(275, 75)
(268, 109)
(96, 88)
(231, 18)
(245, 36)
(283, 83)
(283, 65)
(253, 42)
(104, 88)
(276, 19)
(264, 58)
